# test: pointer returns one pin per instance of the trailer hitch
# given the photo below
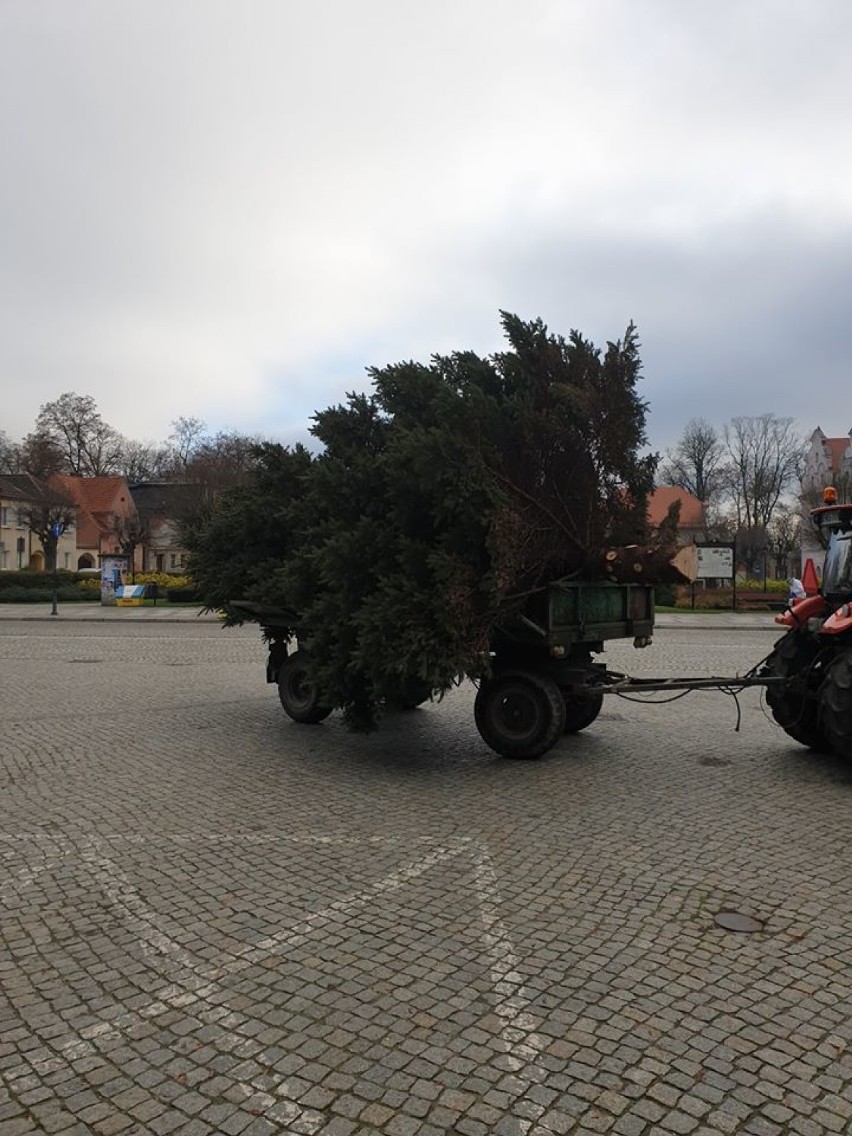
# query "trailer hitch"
(615, 683)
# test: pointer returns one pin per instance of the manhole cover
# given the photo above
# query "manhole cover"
(736, 921)
(716, 762)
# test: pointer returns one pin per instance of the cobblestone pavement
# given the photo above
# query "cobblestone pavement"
(216, 921)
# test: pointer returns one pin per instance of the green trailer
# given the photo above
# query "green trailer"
(541, 679)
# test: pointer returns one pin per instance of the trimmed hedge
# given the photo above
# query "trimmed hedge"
(26, 578)
(183, 595)
(65, 593)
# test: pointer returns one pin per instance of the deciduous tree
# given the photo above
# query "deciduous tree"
(763, 461)
(695, 462)
(89, 446)
(48, 514)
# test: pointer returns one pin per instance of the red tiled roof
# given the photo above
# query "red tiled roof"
(97, 494)
(691, 509)
(97, 499)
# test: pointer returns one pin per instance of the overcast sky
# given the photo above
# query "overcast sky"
(229, 210)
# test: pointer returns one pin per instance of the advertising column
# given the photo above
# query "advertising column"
(113, 575)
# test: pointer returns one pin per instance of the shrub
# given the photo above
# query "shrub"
(757, 586)
(163, 579)
(67, 593)
(183, 595)
(26, 578)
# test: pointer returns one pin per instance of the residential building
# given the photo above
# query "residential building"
(107, 520)
(691, 522)
(828, 461)
(19, 546)
(161, 505)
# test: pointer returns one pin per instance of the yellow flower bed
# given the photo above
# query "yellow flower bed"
(163, 579)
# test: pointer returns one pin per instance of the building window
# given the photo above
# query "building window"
(67, 559)
(4, 559)
(4, 516)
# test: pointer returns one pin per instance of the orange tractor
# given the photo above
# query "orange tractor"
(814, 704)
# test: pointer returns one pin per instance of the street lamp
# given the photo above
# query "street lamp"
(56, 531)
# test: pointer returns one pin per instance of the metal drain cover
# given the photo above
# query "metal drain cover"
(736, 921)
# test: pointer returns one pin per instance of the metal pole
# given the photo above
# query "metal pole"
(55, 594)
(56, 531)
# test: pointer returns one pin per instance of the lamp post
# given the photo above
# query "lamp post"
(56, 531)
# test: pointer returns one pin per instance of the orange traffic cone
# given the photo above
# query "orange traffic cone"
(810, 582)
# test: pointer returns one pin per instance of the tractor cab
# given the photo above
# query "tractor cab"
(834, 522)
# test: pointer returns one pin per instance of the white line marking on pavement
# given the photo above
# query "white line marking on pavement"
(192, 984)
(524, 1045)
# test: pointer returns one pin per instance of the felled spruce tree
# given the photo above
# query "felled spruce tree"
(437, 507)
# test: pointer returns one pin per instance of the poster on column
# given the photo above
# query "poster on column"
(113, 575)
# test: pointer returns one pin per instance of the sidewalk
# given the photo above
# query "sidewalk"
(94, 612)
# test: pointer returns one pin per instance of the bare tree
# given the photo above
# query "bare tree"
(130, 532)
(89, 446)
(216, 462)
(783, 537)
(40, 456)
(9, 454)
(144, 461)
(48, 514)
(764, 456)
(187, 434)
(695, 462)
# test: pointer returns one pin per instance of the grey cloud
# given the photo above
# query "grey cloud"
(235, 208)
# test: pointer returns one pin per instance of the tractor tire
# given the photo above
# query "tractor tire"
(796, 713)
(298, 694)
(580, 711)
(835, 704)
(520, 714)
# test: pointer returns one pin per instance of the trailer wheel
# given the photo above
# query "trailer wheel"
(580, 710)
(796, 713)
(298, 694)
(836, 706)
(519, 713)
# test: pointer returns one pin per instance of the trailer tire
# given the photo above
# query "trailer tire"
(298, 694)
(835, 705)
(580, 710)
(519, 714)
(797, 715)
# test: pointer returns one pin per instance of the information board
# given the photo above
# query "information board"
(715, 562)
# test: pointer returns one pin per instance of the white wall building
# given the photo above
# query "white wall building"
(828, 461)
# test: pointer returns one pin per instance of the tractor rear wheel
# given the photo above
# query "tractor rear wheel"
(519, 713)
(793, 709)
(298, 694)
(580, 710)
(835, 705)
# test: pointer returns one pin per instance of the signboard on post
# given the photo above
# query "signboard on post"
(715, 562)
